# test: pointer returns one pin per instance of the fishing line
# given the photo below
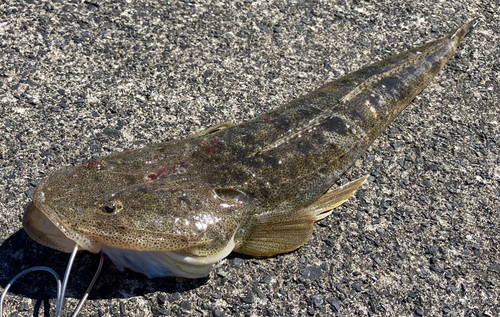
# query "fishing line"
(36, 268)
(61, 285)
(84, 298)
(60, 299)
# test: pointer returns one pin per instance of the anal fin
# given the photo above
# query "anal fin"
(323, 206)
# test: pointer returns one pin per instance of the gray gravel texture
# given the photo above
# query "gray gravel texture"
(83, 79)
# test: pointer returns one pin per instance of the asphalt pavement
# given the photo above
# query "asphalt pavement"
(82, 79)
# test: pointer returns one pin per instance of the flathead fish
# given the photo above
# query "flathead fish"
(177, 208)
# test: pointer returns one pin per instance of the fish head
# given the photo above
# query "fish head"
(136, 204)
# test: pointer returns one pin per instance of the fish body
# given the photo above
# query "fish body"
(257, 188)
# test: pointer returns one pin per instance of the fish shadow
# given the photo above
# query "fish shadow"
(20, 252)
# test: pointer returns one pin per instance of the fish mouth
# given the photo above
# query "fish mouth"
(44, 226)
(39, 227)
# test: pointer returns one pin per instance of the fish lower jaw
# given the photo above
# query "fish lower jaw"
(84, 243)
(41, 229)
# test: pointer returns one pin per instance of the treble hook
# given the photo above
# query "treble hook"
(61, 290)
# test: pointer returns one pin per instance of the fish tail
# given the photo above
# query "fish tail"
(466, 29)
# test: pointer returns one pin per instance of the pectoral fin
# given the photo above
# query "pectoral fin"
(273, 233)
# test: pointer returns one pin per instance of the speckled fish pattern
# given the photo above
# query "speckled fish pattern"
(196, 195)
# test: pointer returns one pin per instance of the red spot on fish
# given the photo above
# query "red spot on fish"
(162, 172)
(157, 175)
(210, 148)
(266, 119)
(96, 164)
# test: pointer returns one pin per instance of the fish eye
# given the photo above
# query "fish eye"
(109, 208)
(112, 207)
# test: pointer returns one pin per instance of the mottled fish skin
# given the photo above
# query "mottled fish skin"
(193, 196)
